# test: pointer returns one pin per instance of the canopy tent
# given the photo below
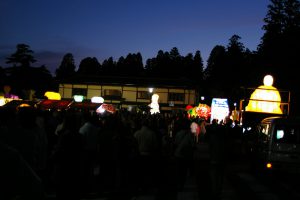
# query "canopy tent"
(54, 104)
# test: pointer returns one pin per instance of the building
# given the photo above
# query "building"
(125, 92)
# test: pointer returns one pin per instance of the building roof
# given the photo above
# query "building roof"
(131, 81)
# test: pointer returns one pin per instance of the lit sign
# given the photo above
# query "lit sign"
(219, 109)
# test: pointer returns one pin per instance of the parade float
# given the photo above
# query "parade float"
(202, 111)
(265, 101)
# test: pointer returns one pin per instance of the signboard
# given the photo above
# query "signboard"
(219, 109)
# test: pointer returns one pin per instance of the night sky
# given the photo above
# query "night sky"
(104, 28)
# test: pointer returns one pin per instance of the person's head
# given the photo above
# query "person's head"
(214, 121)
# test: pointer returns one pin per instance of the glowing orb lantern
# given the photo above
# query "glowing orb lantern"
(78, 98)
(154, 104)
(97, 100)
(265, 98)
(52, 95)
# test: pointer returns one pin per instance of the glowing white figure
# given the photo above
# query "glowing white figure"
(154, 104)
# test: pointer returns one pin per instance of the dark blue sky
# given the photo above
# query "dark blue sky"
(104, 28)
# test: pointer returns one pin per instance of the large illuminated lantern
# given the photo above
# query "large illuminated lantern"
(219, 109)
(2, 101)
(202, 110)
(265, 98)
(97, 99)
(154, 104)
(52, 95)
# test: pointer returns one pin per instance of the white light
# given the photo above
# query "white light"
(219, 109)
(279, 134)
(97, 100)
(2, 101)
(268, 80)
(154, 104)
(150, 90)
(78, 98)
(100, 110)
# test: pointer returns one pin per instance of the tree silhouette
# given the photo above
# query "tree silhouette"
(197, 67)
(132, 65)
(109, 67)
(66, 68)
(89, 66)
(22, 57)
(2, 77)
(280, 44)
(175, 67)
(235, 62)
(214, 72)
(24, 78)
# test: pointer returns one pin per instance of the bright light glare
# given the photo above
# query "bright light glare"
(78, 98)
(268, 80)
(154, 104)
(219, 109)
(2, 101)
(100, 110)
(52, 95)
(97, 100)
(279, 134)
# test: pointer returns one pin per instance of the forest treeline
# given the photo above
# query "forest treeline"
(228, 67)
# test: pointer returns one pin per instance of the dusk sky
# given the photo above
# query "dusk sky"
(105, 28)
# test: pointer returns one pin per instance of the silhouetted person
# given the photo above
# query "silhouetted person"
(28, 138)
(216, 135)
(17, 179)
(67, 159)
(148, 146)
(90, 133)
(184, 151)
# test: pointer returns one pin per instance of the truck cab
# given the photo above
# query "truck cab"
(277, 144)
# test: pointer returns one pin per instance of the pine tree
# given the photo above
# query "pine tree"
(23, 57)
(66, 68)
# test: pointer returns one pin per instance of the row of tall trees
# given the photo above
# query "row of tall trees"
(228, 67)
(165, 64)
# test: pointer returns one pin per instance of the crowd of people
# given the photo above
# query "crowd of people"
(73, 154)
